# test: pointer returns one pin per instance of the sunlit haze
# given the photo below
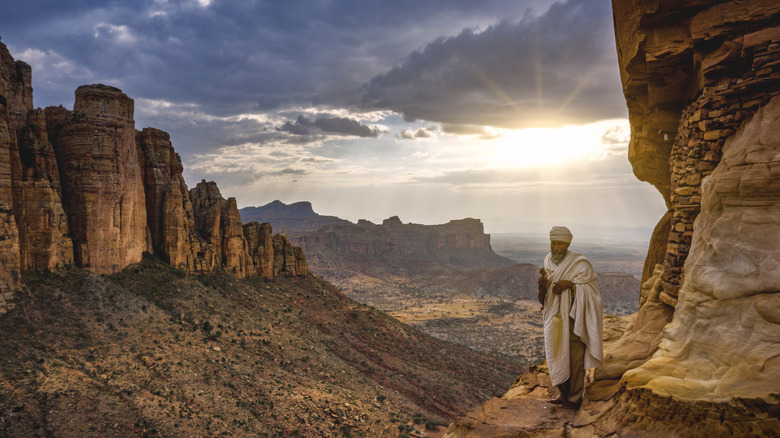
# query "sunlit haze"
(507, 111)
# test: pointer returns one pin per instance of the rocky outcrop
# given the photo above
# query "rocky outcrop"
(289, 260)
(169, 211)
(719, 103)
(15, 102)
(260, 241)
(218, 222)
(692, 73)
(83, 187)
(44, 233)
(102, 183)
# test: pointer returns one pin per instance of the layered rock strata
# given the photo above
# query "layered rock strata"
(169, 210)
(692, 73)
(260, 241)
(15, 102)
(84, 187)
(102, 184)
(218, 221)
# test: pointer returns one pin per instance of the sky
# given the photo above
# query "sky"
(510, 111)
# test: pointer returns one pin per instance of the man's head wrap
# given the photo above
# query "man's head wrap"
(561, 234)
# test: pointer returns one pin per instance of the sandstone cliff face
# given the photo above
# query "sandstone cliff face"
(218, 221)
(289, 260)
(83, 187)
(702, 81)
(102, 184)
(44, 233)
(15, 102)
(260, 241)
(169, 210)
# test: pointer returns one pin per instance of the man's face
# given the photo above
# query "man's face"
(558, 249)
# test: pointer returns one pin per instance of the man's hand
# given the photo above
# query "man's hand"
(561, 286)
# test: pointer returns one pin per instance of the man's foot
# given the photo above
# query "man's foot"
(556, 401)
(569, 405)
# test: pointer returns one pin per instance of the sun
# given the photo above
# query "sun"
(535, 147)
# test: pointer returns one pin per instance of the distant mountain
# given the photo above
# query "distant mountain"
(332, 244)
(298, 217)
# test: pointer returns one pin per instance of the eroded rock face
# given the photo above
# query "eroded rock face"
(84, 187)
(169, 210)
(260, 241)
(712, 68)
(289, 260)
(102, 181)
(692, 73)
(729, 308)
(218, 222)
(15, 102)
(44, 233)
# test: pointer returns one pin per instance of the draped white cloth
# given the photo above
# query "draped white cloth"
(586, 310)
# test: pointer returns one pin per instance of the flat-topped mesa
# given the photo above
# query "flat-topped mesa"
(102, 183)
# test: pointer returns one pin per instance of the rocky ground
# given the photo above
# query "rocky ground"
(152, 351)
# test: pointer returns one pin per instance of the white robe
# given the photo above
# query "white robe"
(586, 310)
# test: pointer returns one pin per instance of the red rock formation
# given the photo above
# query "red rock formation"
(102, 181)
(44, 234)
(289, 260)
(82, 186)
(218, 222)
(168, 207)
(260, 242)
(15, 102)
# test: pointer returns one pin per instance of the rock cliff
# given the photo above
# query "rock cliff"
(102, 184)
(84, 187)
(395, 247)
(702, 85)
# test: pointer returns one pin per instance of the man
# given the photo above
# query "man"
(572, 314)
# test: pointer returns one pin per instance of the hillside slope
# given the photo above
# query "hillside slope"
(152, 351)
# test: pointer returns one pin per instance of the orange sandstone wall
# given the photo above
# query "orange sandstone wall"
(84, 187)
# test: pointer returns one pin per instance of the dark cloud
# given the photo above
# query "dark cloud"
(304, 126)
(234, 57)
(552, 69)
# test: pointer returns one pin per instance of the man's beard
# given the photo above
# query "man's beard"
(557, 256)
